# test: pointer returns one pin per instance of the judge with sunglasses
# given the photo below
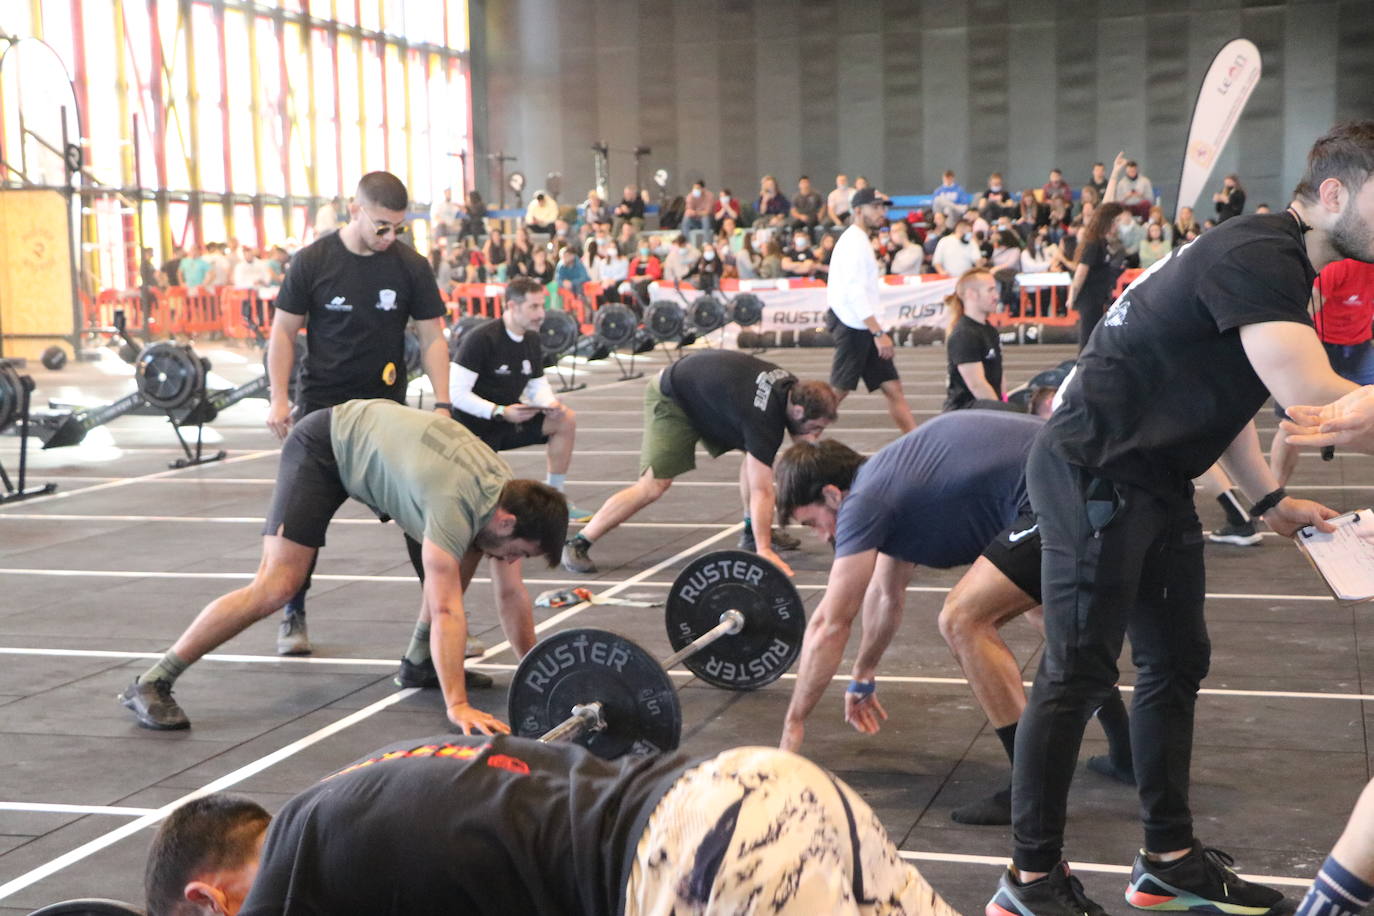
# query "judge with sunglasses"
(354, 291)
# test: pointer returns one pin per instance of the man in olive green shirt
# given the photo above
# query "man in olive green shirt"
(451, 495)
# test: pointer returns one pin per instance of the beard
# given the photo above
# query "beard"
(1352, 236)
(487, 542)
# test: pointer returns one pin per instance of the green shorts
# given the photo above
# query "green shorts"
(670, 439)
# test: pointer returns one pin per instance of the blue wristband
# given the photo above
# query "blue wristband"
(862, 688)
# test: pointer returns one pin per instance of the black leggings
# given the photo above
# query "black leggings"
(1114, 559)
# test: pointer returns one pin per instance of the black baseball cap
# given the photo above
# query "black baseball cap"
(868, 196)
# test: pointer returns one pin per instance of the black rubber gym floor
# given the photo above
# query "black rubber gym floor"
(99, 578)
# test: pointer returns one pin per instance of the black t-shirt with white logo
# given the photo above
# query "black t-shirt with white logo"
(734, 399)
(503, 366)
(456, 824)
(356, 310)
(1104, 269)
(972, 342)
(1164, 385)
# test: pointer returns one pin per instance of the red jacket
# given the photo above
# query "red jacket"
(653, 269)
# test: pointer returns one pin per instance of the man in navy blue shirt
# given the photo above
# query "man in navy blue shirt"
(951, 492)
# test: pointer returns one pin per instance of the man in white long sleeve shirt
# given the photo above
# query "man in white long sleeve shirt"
(863, 350)
(499, 390)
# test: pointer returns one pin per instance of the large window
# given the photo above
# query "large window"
(250, 115)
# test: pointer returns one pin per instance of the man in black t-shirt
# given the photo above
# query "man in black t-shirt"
(974, 348)
(1168, 384)
(499, 389)
(449, 824)
(726, 400)
(354, 291)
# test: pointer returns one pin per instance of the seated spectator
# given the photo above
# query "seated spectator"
(957, 252)
(645, 264)
(1057, 189)
(443, 215)
(799, 258)
(594, 210)
(1066, 253)
(1038, 255)
(1135, 191)
(996, 201)
(1099, 181)
(939, 228)
(541, 212)
(727, 208)
(1006, 264)
(1030, 214)
(1263, 208)
(476, 269)
(1129, 235)
(837, 202)
(1230, 200)
(614, 268)
(827, 250)
(707, 271)
(1154, 246)
(495, 254)
(630, 210)
(697, 215)
(950, 197)
(521, 252)
(449, 273)
(477, 215)
(677, 264)
(628, 239)
(541, 266)
(1089, 195)
(571, 274)
(772, 208)
(747, 258)
(909, 257)
(806, 206)
(770, 265)
(1208, 224)
(729, 229)
(1157, 216)
(601, 236)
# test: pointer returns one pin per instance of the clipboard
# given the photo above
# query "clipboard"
(1344, 557)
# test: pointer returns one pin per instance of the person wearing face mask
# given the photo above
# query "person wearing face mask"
(799, 260)
(727, 207)
(996, 201)
(696, 218)
(957, 252)
(707, 269)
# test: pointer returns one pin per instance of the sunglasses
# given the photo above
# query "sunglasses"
(381, 229)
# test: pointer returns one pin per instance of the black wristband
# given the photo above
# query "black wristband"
(1268, 502)
(442, 404)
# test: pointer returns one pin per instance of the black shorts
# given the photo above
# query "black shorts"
(1016, 553)
(856, 357)
(309, 490)
(500, 435)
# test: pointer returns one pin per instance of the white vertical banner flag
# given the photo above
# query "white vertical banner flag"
(1225, 90)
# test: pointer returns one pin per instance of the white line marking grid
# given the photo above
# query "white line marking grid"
(14, 516)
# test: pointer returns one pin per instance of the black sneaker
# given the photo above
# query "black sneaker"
(1103, 765)
(1057, 894)
(781, 541)
(1202, 881)
(292, 638)
(1240, 535)
(985, 812)
(153, 706)
(575, 555)
(425, 677)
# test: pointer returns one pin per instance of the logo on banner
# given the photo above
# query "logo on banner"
(1203, 153)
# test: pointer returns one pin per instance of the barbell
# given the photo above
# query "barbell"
(733, 619)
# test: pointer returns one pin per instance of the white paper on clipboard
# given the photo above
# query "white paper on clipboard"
(1344, 557)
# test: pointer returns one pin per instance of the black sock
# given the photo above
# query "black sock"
(1007, 735)
(296, 605)
(580, 538)
(1230, 504)
(1117, 726)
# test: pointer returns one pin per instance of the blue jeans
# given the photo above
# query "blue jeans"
(696, 226)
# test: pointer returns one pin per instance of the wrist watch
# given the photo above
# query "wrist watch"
(878, 333)
(499, 412)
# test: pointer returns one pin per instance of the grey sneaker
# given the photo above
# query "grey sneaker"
(575, 556)
(475, 647)
(425, 677)
(153, 706)
(292, 639)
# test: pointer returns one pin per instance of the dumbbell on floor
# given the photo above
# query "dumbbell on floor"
(733, 619)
